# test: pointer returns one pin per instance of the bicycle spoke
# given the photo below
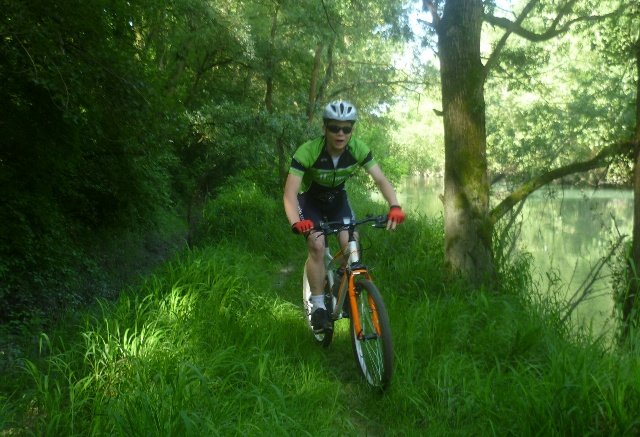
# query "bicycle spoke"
(372, 339)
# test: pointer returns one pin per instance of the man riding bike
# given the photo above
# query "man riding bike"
(315, 191)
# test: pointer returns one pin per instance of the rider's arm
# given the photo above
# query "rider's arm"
(388, 193)
(383, 184)
(291, 189)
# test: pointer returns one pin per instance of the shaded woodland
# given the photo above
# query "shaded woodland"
(120, 119)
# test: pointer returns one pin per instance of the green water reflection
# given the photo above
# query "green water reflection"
(566, 231)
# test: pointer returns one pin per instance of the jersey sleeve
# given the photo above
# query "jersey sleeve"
(303, 158)
(296, 167)
(363, 154)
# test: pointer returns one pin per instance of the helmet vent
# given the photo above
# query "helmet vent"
(340, 110)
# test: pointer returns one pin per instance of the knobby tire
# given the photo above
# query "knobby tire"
(374, 354)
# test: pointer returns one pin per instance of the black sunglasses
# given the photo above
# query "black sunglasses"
(335, 129)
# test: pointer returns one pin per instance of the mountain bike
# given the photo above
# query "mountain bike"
(350, 293)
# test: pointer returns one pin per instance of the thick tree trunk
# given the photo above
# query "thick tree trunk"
(468, 228)
(631, 302)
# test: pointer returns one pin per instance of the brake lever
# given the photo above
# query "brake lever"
(381, 222)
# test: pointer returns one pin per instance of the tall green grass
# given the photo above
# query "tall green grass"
(215, 344)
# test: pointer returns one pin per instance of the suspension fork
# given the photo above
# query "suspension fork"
(354, 256)
(355, 311)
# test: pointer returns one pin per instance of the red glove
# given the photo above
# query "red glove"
(302, 226)
(395, 214)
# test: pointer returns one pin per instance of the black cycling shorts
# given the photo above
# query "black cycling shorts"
(333, 206)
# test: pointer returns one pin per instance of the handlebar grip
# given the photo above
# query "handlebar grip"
(381, 222)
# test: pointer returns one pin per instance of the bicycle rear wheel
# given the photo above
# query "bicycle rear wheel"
(325, 337)
(372, 343)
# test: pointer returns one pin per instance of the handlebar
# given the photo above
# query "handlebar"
(328, 228)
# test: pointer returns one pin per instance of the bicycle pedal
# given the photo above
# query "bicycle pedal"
(323, 330)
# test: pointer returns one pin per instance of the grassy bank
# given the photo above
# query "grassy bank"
(215, 344)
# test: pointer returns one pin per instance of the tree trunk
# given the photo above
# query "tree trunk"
(317, 92)
(313, 86)
(468, 228)
(271, 65)
(271, 62)
(630, 304)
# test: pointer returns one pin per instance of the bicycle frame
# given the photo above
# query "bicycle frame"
(347, 287)
(347, 278)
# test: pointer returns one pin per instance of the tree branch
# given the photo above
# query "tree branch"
(555, 29)
(326, 12)
(522, 192)
(429, 6)
(495, 55)
(400, 83)
(585, 290)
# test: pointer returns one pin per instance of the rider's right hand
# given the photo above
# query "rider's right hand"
(394, 217)
(302, 226)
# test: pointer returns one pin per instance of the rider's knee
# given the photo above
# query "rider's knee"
(316, 247)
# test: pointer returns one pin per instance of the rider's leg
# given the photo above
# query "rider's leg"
(315, 269)
(309, 209)
(345, 213)
(344, 244)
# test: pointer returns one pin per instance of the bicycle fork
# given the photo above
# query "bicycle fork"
(354, 260)
(355, 310)
(347, 283)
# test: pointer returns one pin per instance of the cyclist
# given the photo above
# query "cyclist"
(314, 190)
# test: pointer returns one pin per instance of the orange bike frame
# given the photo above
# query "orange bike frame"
(351, 295)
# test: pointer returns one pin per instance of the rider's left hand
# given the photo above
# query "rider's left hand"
(302, 227)
(394, 217)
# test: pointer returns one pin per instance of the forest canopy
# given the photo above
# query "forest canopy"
(120, 117)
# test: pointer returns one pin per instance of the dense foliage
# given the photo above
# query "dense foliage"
(568, 99)
(78, 157)
(121, 118)
(118, 115)
(126, 119)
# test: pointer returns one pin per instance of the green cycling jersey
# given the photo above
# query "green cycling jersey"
(317, 168)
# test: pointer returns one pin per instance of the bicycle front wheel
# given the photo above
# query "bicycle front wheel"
(371, 339)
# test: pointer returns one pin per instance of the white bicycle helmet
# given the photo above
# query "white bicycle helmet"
(340, 110)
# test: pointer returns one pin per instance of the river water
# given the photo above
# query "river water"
(567, 232)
